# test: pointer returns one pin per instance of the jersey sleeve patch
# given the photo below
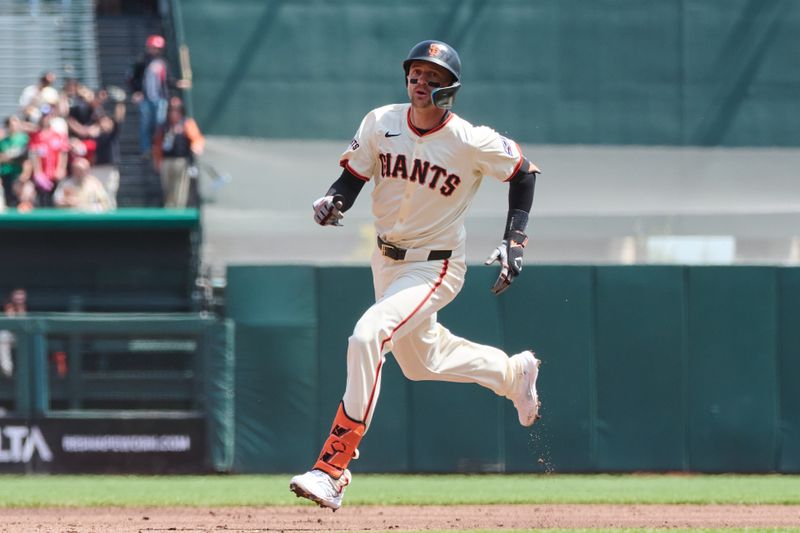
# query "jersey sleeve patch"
(507, 146)
(519, 162)
(498, 156)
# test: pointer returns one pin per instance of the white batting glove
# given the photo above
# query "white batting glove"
(509, 270)
(328, 210)
(500, 255)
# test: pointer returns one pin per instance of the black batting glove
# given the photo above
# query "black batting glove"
(328, 210)
(509, 255)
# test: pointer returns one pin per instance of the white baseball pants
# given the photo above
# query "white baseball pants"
(403, 321)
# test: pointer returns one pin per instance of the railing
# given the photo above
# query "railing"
(103, 361)
(122, 366)
(180, 50)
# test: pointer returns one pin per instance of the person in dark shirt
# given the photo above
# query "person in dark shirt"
(80, 109)
(150, 82)
(175, 147)
(107, 153)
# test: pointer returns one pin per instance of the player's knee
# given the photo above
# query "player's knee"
(364, 335)
(412, 368)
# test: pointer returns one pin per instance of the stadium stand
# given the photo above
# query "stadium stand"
(93, 45)
(40, 36)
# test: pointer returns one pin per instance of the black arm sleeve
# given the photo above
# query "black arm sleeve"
(520, 199)
(347, 186)
(520, 189)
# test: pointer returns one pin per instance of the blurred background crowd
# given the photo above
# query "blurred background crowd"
(61, 149)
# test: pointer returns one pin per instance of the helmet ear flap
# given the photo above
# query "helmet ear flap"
(445, 97)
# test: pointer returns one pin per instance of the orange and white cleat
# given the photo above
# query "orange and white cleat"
(321, 488)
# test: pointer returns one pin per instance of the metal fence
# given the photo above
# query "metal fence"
(118, 380)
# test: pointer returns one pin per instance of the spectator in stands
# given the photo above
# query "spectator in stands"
(81, 114)
(7, 342)
(16, 305)
(78, 99)
(30, 94)
(84, 116)
(82, 190)
(49, 151)
(19, 300)
(175, 146)
(107, 152)
(57, 108)
(15, 168)
(34, 96)
(150, 82)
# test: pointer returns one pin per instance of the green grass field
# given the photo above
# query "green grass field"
(371, 489)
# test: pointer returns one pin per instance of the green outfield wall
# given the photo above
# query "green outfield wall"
(646, 368)
(661, 72)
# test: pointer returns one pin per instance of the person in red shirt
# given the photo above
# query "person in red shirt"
(48, 151)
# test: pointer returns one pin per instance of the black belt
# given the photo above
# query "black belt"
(398, 254)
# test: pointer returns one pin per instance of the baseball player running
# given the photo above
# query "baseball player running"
(426, 164)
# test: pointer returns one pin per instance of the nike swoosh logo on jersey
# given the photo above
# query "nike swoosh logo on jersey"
(387, 134)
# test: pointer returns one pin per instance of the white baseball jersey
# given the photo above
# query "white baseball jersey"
(424, 183)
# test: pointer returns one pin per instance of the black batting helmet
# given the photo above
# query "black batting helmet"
(444, 55)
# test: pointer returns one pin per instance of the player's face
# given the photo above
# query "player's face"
(424, 77)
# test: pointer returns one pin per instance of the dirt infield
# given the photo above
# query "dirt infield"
(405, 518)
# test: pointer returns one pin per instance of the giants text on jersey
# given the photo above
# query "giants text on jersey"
(425, 181)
